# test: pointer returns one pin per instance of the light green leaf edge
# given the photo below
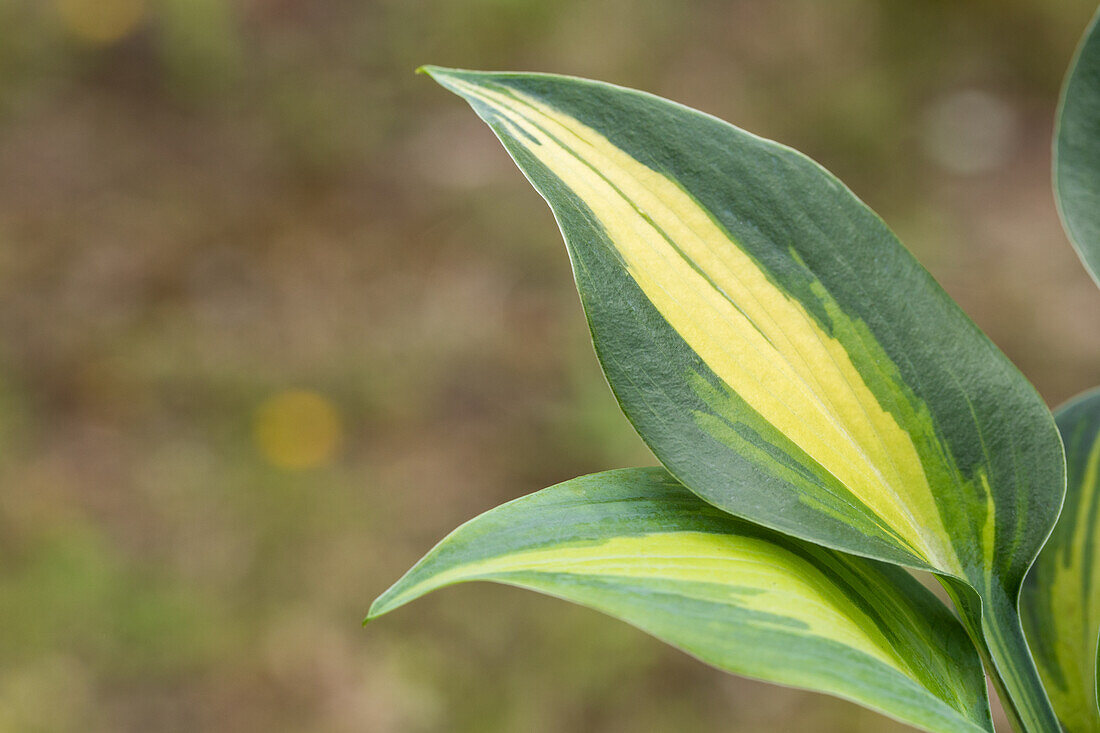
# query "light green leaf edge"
(695, 245)
(1077, 150)
(638, 546)
(1061, 600)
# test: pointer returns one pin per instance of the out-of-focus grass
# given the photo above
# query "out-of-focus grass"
(276, 314)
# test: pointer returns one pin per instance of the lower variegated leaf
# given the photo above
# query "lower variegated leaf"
(1061, 602)
(637, 545)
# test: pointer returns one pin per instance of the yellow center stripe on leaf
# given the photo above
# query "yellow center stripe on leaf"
(782, 583)
(755, 337)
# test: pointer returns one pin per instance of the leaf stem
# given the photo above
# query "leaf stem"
(993, 622)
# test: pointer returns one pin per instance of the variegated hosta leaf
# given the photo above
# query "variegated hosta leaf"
(1077, 150)
(1061, 601)
(781, 352)
(637, 545)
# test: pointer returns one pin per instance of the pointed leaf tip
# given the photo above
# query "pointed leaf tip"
(430, 69)
(390, 598)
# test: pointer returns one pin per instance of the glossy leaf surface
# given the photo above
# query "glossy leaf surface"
(1061, 606)
(782, 354)
(1077, 150)
(637, 545)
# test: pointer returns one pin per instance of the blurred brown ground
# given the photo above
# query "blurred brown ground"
(276, 314)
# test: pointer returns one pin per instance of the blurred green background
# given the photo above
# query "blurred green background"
(276, 314)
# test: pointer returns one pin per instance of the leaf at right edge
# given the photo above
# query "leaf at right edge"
(637, 545)
(1061, 600)
(1077, 150)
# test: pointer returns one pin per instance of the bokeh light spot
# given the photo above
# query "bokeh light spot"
(970, 131)
(297, 429)
(100, 21)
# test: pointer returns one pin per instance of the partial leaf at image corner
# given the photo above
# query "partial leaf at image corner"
(1061, 607)
(1077, 150)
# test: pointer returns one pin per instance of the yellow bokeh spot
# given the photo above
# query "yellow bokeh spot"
(297, 429)
(100, 21)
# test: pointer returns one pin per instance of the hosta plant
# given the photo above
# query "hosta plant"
(825, 415)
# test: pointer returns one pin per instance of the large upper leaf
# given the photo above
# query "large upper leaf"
(636, 545)
(780, 351)
(1061, 607)
(1077, 150)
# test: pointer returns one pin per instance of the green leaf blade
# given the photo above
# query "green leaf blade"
(1077, 151)
(638, 546)
(1061, 602)
(782, 354)
(771, 340)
